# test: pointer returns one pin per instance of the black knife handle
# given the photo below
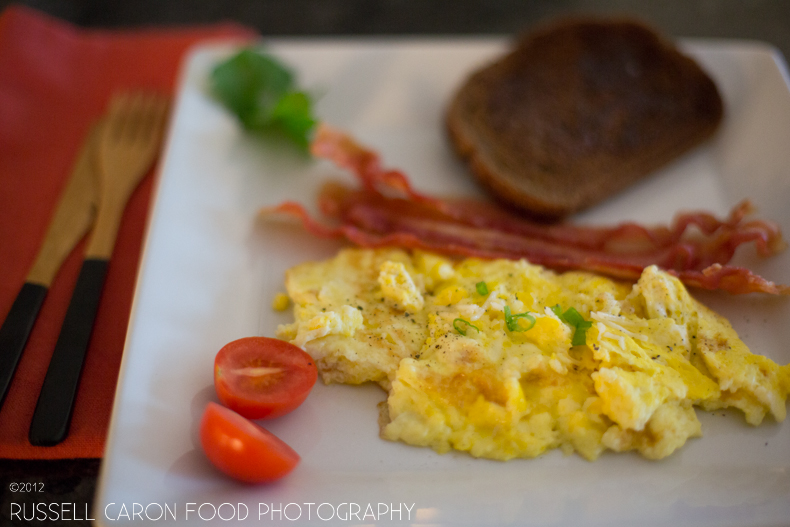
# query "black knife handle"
(52, 416)
(15, 331)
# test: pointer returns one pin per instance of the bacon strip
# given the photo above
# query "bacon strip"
(736, 280)
(375, 213)
(341, 149)
(388, 211)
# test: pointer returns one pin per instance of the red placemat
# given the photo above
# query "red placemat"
(55, 80)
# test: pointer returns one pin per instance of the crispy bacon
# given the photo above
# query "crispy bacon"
(388, 211)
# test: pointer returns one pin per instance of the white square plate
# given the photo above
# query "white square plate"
(210, 270)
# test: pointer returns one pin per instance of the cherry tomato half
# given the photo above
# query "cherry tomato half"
(243, 450)
(260, 377)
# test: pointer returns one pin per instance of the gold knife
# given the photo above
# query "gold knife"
(73, 217)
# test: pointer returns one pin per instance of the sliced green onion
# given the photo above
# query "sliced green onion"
(558, 311)
(460, 329)
(579, 336)
(482, 288)
(513, 322)
(573, 317)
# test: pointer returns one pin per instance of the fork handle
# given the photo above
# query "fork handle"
(16, 329)
(52, 416)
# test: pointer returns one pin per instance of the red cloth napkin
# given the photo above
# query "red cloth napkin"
(55, 80)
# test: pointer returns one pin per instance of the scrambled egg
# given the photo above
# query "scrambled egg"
(478, 355)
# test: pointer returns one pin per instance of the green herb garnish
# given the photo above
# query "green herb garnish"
(482, 288)
(461, 330)
(262, 93)
(512, 321)
(557, 311)
(580, 334)
(576, 320)
(573, 317)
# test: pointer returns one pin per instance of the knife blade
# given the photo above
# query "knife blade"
(74, 215)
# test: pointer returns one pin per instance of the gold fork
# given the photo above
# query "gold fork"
(127, 148)
(130, 139)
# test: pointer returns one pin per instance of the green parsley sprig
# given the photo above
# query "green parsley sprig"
(263, 94)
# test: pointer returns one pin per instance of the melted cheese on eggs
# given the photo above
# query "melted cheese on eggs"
(652, 354)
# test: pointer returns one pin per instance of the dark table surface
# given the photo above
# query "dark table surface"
(74, 481)
(767, 20)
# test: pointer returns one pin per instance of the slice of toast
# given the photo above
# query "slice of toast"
(579, 110)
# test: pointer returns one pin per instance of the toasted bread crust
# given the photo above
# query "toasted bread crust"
(578, 111)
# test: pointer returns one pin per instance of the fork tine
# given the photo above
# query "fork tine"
(132, 118)
(150, 118)
(115, 114)
(154, 120)
(136, 116)
(161, 108)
